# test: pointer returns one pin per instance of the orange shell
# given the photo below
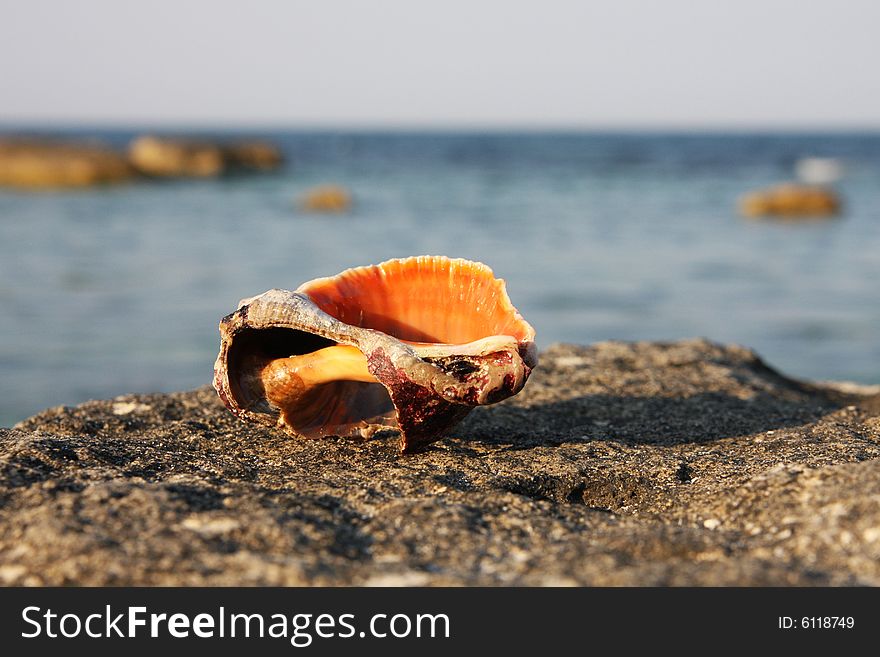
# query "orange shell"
(422, 299)
(440, 336)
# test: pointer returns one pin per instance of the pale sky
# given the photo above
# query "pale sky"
(449, 63)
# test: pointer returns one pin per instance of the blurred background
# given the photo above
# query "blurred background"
(634, 170)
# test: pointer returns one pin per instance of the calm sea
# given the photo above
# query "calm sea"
(599, 236)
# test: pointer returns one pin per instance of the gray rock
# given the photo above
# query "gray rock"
(686, 463)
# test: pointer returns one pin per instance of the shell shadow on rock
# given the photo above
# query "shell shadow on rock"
(411, 345)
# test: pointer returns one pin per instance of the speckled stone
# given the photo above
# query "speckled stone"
(683, 463)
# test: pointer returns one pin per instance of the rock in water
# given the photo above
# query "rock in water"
(326, 198)
(163, 157)
(684, 463)
(154, 156)
(254, 155)
(791, 200)
(41, 164)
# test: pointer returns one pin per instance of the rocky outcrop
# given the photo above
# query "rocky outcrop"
(686, 463)
(326, 198)
(253, 155)
(164, 157)
(47, 163)
(791, 200)
(40, 164)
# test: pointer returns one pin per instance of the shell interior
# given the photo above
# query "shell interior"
(422, 299)
(334, 408)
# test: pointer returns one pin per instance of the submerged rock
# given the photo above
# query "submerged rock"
(684, 463)
(40, 163)
(791, 200)
(326, 198)
(154, 156)
(255, 155)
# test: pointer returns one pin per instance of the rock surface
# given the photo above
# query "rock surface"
(686, 463)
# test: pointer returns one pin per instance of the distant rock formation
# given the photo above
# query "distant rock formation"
(258, 155)
(164, 157)
(791, 200)
(326, 198)
(43, 163)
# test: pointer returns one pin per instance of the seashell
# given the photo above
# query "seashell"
(410, 344)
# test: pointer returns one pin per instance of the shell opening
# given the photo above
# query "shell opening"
(303, 379)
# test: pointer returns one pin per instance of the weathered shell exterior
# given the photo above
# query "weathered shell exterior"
(440, 335)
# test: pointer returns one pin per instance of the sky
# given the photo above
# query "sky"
(450, 63)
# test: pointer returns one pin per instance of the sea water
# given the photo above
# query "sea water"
(599, 236)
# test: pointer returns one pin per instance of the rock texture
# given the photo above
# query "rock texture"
(620, 464)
